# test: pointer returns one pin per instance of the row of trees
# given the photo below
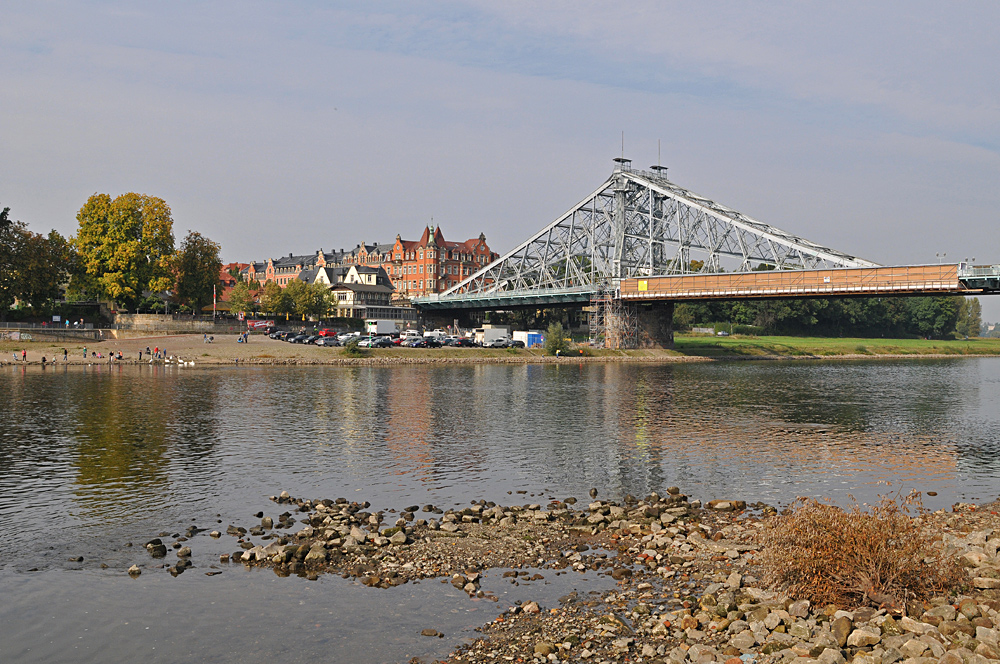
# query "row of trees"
(848, 317)
(33, 265)
(123, 251)
(298, 298)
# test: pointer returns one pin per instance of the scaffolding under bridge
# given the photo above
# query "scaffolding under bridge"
(613, 323)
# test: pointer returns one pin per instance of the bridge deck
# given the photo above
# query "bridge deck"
(897, 280)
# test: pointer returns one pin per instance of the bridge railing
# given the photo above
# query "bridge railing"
(966, 270)
(463, 297)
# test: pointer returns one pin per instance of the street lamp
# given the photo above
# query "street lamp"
(940, 256)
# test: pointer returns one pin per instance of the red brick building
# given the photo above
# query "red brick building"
(433, 264)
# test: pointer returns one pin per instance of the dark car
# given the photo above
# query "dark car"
(311, 339)
(297, 339)
(514, 343)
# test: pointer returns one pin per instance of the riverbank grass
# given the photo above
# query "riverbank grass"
(741, 346)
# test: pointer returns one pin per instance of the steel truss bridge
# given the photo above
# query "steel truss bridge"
(640, 237)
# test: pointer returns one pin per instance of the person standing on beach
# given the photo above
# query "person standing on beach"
(85, 352)
(24, 355)
(65, 356)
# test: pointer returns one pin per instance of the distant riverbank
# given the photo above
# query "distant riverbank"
(688, 348)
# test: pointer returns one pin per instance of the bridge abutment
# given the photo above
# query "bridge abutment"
(655, 324)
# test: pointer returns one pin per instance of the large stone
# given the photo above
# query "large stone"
(863, 637)
(398, 538)
(988, 650)
(986, 635)
(799, 630)
(831, 656)
(799, 609)
(744, 640)
(908, 624)
(986, 583)
(945, 612)
(949, 628)
(890, 627)
(544, 649)
(968, 608)
(913, 648)
(316, 555)
(358, 534)
(841, 629)
(950, 658)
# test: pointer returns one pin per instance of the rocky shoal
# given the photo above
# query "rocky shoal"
(686, 586)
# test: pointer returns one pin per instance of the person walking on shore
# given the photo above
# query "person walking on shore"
(85, 352)
(24, 355)
(65, 356)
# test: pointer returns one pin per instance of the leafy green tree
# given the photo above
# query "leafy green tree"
(932, 316)
(240, 298)
(275, 300)
(198, 266)
(11, 239)
(970, 317)
(44, 266)
(34, 266)
(297, 292)
(555, 339)
(126, 245)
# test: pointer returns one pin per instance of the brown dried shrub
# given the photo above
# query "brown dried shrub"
(853, 557)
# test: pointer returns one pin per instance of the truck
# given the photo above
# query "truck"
(380, 327)
(437, 335)
(491, 335)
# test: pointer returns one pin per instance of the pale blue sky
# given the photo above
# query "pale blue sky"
(285, 127)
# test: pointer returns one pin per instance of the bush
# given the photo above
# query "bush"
(555, 339)
(351, 349)
(822, 553)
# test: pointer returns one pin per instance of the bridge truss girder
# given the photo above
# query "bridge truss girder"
(641, 224)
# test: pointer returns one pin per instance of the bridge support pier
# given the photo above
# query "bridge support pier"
(656, 325)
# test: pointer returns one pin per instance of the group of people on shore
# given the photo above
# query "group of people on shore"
(156, 353)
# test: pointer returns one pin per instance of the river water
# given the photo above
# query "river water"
(93, 459)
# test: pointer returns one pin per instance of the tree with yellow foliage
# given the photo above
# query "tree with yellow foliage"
(126, 246)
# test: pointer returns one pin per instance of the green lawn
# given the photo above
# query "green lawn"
(799, 346)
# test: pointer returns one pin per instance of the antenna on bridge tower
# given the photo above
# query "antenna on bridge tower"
(660, 170)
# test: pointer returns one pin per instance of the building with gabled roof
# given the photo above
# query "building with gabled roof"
(412, 267)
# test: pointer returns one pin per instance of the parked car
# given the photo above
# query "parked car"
(496, 343)
(311, 339)
(297, 339)
(327, 332)
(515, 343)
(382, 342)
(328, 342)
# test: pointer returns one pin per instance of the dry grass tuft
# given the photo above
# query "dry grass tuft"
(819, 552)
